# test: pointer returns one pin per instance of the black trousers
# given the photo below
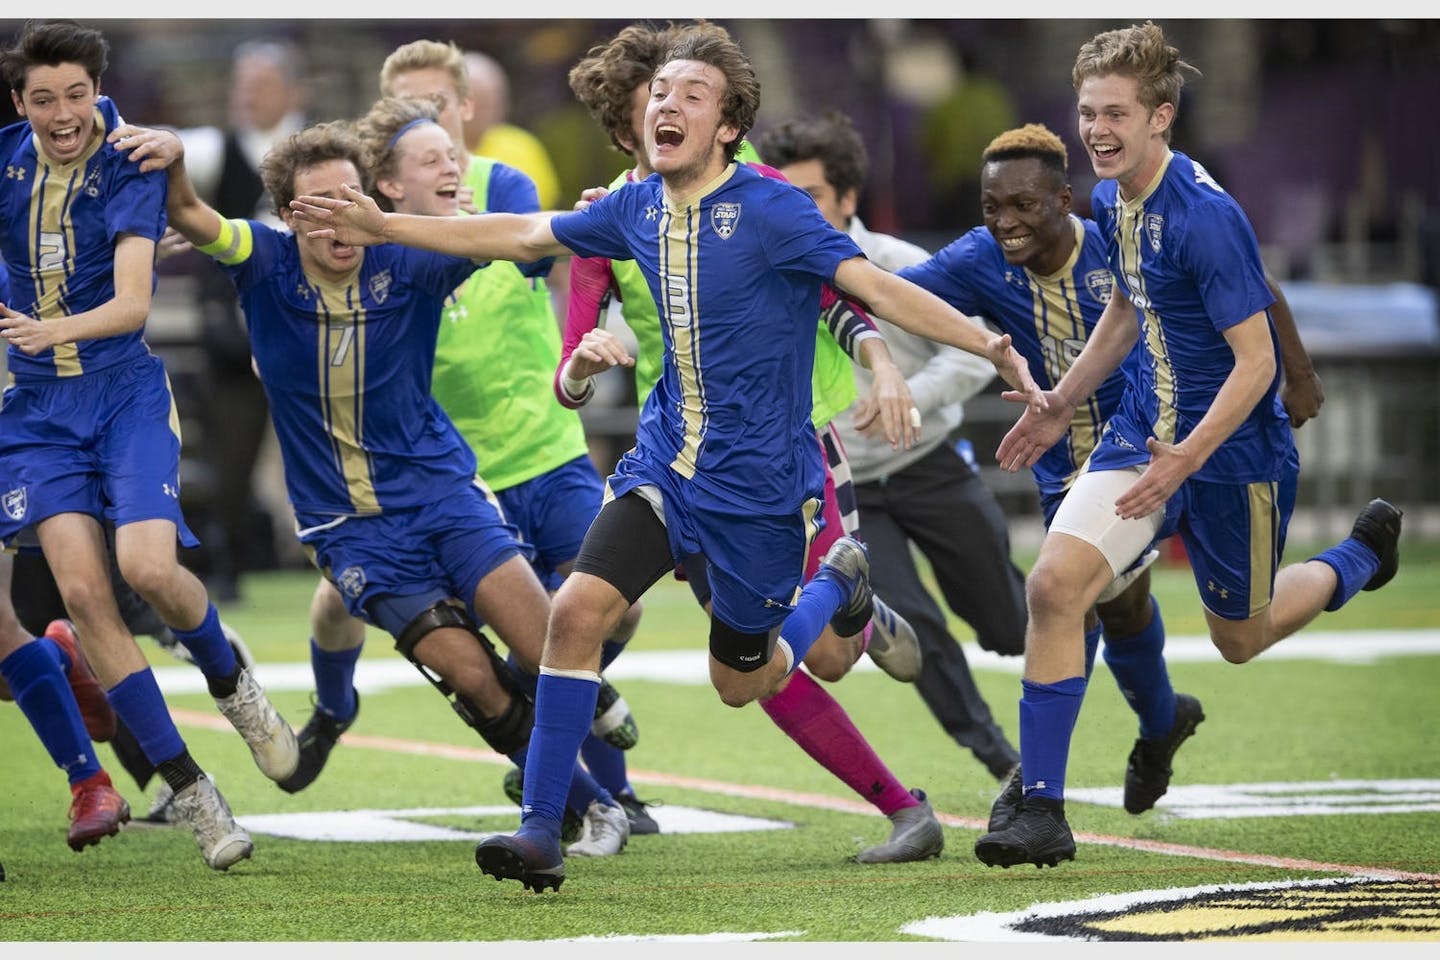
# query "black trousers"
(941, 506)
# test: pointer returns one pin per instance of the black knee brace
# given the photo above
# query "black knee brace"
(506, 733)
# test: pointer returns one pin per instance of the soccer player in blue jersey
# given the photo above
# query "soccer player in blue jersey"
(384, 487)
(725, 461)
(88, 429)
(1198, 444)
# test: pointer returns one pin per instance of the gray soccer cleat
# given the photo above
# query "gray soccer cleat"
(162, 808)
(916, 835)
(272, 743)
(604, 831)
(893, 644)
(847, 563)
(222, 841)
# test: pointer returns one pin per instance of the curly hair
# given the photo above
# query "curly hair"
(310, 147)
(379, 129)
(1032, 140)
(605, 80)
(830, 138)
(711, 44)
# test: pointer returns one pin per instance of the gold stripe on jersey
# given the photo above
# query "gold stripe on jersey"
(810, 516)
(679, 280)
(1058, 321)
(340, 353)
(679, 266)
(1131, 234)
(1264, 538)
(52, 231)
(174, 413)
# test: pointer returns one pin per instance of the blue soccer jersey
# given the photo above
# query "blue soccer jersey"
(1190, 263)
(58, 227)
(347, 371)
(736, 270)
(1048, 318)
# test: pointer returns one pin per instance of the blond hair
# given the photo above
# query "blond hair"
(421, 55)
(1141, 52)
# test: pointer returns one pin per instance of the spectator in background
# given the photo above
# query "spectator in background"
(489, 135)
(267, 97)
(930, 494)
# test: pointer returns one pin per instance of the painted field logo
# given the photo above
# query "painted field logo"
(1347, 909)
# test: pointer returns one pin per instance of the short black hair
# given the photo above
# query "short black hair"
(49, 43)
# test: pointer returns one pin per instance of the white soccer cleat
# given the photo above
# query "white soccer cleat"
(604, 831)
(272, 743)
(222, 841)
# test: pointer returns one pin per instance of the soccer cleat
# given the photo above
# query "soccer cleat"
(222, 841)
(916, 835)
(316, 739)
(535, 861)
(162, 808)
(638, 813)
(1038, 835)
(514, 784)
(893, 644)
(1148, 770)
(1007, 801)
(604, 831)
(613, 722)
(96, 811)
(95, 709)
(848, 564)
(1378, 527)
(272, 743)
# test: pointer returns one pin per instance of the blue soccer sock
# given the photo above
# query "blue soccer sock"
(1047, 719)
(1138, 663)
(1354, 564)
(528, 681)
(606, 764)
(1092, 644)
(212, 652)
(564, 710)
(139, 705)
(818, 601)
(609, 650)
(37, 682)
(334, 672)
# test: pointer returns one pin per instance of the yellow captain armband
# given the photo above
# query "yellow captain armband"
(234, 244)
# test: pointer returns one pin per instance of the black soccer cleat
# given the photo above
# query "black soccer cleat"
(1038, 835)
(847, 563)
(1007, 802)
(638, 812)
(536, 862)
(1378, 527)
(317, 738)
(1148, 770)
(613, 721)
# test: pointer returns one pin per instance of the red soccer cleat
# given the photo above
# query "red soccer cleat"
(97, 811)
(95, 709)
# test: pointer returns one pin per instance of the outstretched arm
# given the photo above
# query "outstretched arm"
(919, 311)
(354, 218)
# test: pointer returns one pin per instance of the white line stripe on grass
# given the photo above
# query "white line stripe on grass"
(421, 748)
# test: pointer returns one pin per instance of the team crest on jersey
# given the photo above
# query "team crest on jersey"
(92, 183)
(16, 504)
(724, 217)
(1153, 224)
(380, 287)
(1101, 284)
(351, 581)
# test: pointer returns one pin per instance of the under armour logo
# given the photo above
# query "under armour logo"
(651, 212)
(14, 173)
(1222, 591)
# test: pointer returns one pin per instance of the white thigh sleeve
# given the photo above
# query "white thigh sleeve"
(1088, 513)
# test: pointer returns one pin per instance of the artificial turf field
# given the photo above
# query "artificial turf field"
(1306, 808)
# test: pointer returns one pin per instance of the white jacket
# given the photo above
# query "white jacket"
(941, 377)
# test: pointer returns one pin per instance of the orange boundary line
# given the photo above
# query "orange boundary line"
(421, 748)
